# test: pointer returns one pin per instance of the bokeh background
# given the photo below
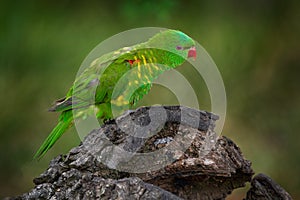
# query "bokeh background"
(254, 43)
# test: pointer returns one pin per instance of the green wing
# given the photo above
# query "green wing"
(92, 86)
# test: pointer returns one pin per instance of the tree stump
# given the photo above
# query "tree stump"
(184, 159)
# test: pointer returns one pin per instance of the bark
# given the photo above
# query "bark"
(264, 188)
(183, 159)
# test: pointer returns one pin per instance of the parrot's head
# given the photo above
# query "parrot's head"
(179, 45)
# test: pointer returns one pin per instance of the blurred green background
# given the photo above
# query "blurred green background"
(254, 43)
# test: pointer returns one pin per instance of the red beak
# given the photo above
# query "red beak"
(192, 53)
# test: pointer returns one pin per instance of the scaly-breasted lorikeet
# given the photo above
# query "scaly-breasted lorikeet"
(92, 91)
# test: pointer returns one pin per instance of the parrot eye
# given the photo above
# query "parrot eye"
(179, 48)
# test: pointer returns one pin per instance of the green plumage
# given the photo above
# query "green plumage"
(103, 86)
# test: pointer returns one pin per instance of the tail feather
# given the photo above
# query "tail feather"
(65, 121)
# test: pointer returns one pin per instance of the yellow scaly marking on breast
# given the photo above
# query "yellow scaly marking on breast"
(144, 60)
(145, 65)
(139, 70)
(138, 67)
(150, 60)
(156, 67)
(154, 60)
(120, 101)
(150, 66)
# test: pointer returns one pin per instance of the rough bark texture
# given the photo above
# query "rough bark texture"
(183, 158)
(264, 188)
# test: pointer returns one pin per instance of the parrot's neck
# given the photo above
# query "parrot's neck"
(159, 56)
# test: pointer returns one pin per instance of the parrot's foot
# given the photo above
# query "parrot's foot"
(109, 121)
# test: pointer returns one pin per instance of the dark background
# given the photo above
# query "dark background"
(254, 43)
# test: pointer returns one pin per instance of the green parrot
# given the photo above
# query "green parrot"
(102, 85)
